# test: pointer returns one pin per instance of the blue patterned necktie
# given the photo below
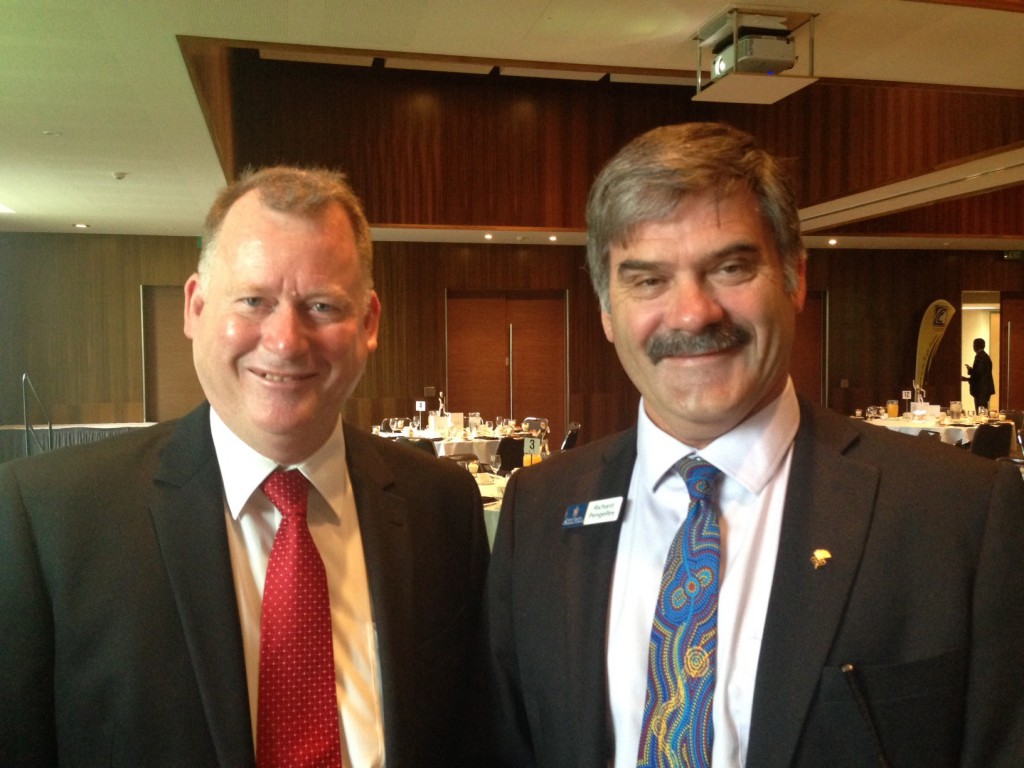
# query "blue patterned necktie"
(677, 728)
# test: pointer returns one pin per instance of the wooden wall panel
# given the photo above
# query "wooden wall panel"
(846, 137)
(482, 150)
(71, 317)
(69, 307)
(876, 300)
(412, 280)
(993, 214)
(431, 148)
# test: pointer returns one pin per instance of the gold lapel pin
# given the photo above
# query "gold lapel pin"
(820, 558)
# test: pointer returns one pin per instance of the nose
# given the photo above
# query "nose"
(691, 305)
(284, 332)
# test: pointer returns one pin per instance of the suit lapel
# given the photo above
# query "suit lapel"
(385, 531)
(829, 504)
(589, 558)
(187, 510)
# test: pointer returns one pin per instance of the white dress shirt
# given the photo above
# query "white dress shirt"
(252, 523)
(755, 460)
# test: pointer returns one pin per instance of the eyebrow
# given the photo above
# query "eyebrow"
(738, 248)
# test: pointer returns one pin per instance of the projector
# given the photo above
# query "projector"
(755, 53)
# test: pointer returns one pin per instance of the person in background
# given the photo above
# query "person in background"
(979, 375)
(174, 597)
(756, 581)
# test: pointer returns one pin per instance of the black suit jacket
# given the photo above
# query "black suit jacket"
(121, 643)
(921, 596)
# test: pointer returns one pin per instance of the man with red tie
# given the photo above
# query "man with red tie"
(257, 583)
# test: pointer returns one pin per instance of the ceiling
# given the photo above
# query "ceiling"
(99, 123)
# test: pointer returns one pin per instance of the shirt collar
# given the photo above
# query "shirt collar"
(242, 468)
(750, 453)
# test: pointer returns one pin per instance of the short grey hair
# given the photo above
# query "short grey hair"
(304, 192)
(649, 177)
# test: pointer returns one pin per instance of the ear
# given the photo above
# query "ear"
(371, 321)
(606, 323)
(194, 303)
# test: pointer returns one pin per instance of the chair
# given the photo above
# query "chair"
(511, 451)
(571, 436)
(462, 459)
(536, 426)
(927, 433)
(1017, 417)
(427, 446)
(992, 440)
(385, 424)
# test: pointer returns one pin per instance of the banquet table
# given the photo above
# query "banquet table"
(483, 447)
(948, 433)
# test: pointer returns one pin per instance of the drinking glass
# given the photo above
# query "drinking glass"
(496, 463)
(956, 409)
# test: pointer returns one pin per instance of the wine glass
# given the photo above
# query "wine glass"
(495, 463)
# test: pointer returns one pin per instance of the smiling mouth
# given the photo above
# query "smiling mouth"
(282, 378)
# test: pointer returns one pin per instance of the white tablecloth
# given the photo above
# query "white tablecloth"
(483, 448)
(949, 433)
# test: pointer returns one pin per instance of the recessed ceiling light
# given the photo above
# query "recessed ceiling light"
(552, 238)
(832, 241)
(488, 236)
(81, 226)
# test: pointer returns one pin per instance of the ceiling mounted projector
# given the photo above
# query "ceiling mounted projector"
(741, 50)
(755, 53)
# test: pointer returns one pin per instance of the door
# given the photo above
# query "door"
(507, 355)
(1011, 348)
(169, 382)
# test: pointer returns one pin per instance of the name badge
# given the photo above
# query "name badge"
(592, 512)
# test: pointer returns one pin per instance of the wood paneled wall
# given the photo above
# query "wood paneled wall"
(412, 280)
(877, 299)
(431, 148)
(70, 310)
(69, 307)
(452, 150)
(473, 150)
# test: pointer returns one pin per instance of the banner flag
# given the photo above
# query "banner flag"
(933, 325)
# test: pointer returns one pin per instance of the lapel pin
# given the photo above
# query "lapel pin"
(820, 558)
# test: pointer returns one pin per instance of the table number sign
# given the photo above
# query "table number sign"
(532, 446)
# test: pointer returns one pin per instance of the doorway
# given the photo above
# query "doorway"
(507, 355)
(982, 319)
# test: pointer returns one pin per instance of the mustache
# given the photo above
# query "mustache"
(714, 338)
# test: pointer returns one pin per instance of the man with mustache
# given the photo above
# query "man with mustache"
(756, 581)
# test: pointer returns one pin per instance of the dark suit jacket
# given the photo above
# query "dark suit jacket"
(922, 595)
(982, 385)
(120, 640)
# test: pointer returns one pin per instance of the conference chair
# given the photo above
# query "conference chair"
(571, 436)
(1017, 417)
(511, 451)
(991, 440)
(427, 446)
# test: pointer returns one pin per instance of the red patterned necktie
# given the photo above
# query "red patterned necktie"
(297, 714)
